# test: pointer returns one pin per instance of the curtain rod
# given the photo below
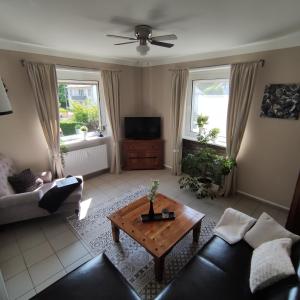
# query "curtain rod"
(23, 61)
(261, 61)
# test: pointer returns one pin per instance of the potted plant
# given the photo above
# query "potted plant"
(63, 151)
(84, 130)
(205, 169)
(152, 195)
(100, 130)
(77, 128)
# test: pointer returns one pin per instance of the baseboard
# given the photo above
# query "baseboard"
(97, 173)
(263, 200)
(168, 167)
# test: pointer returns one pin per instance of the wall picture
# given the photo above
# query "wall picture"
(281, 101)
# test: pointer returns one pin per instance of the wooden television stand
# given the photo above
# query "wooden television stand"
(143, 154)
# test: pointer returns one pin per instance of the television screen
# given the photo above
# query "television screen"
(142, 127)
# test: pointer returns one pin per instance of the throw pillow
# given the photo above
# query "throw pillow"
(6, 169)
(46, 176)
(25, 181)
(270, 263)
(233, 225)
(267, 229)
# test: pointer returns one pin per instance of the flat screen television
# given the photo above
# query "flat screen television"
(140, 128)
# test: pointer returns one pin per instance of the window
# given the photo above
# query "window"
(208, 93)
(81, 92)
(79, 104)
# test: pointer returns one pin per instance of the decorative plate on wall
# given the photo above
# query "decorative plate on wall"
(281, 101)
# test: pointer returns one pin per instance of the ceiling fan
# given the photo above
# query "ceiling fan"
(143, 35)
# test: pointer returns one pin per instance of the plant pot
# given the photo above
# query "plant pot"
(78, 131)
(84, 135)
(215, 187)
(205, 180)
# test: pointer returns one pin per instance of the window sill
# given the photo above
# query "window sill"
(194, 139)
(88, 142)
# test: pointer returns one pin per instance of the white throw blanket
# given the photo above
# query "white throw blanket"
(233, 225)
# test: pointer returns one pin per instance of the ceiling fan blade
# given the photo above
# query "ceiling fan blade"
(166, 37)
(121, 37)
(157, 43)
(126, 43)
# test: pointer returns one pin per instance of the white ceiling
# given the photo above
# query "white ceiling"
(77, 28)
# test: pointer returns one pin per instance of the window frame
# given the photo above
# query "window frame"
(205, 74)
(78, 76)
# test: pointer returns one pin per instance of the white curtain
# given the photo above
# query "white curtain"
(242, 81)
(112, 99)
(179, 88)
(44, 84)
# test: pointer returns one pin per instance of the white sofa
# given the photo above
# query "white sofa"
(17, 207)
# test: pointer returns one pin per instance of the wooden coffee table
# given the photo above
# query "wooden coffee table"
(157, 237)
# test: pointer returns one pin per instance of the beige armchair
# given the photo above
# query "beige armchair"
(17, 207)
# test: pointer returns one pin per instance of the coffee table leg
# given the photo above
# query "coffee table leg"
(159, 264)
(196, 232)
(115, 232)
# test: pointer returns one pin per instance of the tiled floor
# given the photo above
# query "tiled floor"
(36, 253)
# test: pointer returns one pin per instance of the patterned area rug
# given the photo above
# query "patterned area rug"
(129, 257)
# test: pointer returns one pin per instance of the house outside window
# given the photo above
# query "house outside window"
(80, 104)
(208, 94)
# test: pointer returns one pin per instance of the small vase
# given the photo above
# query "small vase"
(151, 210)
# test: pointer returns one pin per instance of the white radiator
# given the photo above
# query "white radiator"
(86, 161)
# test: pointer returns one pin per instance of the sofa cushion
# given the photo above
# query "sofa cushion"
(232, 259)
(6, 169)
(15, 200)
(233, 225)
(201, 279)
(271, 263)
(267, 229)
(288, 288)
(96, 279)
(24, 181)
(45, 176)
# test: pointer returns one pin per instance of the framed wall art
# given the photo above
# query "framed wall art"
(281, 101)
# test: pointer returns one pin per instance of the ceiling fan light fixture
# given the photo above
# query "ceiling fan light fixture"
(142, 49)
(143, 35)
